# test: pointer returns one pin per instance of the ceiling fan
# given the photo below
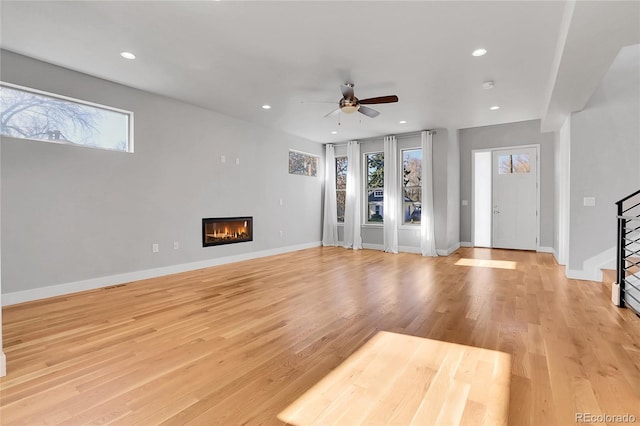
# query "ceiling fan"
(350, 104)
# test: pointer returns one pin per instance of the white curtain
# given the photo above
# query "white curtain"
(427, 229)
(391, 195)
(330, 225)
(352, 211)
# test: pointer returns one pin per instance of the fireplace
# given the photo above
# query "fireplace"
(226, 230)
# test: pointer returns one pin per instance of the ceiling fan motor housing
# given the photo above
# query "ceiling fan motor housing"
(349, 106)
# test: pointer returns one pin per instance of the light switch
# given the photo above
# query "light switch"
(237, 160)
(589, 201)
(223, 159)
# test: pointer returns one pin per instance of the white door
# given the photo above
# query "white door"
(515, 198)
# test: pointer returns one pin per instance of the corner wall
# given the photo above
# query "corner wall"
(605, 153)
(73, 214)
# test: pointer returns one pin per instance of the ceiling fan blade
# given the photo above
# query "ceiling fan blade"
(317, 102)
(369, 112)
(379, 100)
(332, 111)
(347, 91)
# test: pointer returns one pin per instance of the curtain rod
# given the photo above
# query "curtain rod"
(377, 138)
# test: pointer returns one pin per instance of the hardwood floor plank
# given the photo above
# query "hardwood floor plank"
(240, 343)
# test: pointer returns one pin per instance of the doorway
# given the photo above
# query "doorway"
(505, 198)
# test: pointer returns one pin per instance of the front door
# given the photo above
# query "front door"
(515, 199)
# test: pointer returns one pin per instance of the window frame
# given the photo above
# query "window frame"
(403, 223)
(130, 117)
(365, 161)
(341, 190)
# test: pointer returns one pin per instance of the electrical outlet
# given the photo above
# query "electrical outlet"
(176, 245)
(281, 233)
(223, 159)
(281, 201)
(589, 201)
(155, 248)
(237, 160)
(465, 202)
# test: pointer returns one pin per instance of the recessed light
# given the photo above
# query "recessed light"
(495, 107)
(479, 52)
(403, 121)
(127, 55)
(266, 106)
(334, 132)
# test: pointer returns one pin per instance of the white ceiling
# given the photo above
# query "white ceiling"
(234, 56)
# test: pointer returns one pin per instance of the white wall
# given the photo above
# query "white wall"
(562, 151)
(71, 214)
(503, 135)
(605, 148)
(453, 188)
(3, 361)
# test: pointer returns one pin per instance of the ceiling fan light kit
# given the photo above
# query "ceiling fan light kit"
(350, 104)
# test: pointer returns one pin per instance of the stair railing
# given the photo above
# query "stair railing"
(628, 253)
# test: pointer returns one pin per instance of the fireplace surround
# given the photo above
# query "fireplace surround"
(226, 230)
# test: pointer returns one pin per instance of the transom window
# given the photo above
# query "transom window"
(32, 114)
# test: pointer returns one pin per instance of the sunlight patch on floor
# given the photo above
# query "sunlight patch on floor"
(487, 263)
(400, 379)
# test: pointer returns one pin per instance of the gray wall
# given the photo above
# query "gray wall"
(503, 135)
(71, 213)
(605, 153)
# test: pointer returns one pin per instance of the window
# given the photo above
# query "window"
(411, 185)
(32, 114)
(514, 163)
(341, 186)
(375, 187)
(301, 163)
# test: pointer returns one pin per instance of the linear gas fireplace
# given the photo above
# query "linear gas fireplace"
(226, 230)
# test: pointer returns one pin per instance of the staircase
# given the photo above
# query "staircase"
(628, 256)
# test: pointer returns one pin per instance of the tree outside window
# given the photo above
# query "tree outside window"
(412, 185)
(341, 186)
(375, 187)
(30, 115)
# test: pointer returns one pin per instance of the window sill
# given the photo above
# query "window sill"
(411, 227)
(372, 225)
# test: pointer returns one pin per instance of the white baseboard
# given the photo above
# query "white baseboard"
(466, 244)
(3, 364)
(94, 283)
(592, 267)
(549, 250)
(409, 249)
(448, 251)
(413, 249)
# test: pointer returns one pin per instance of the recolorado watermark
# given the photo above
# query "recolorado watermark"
(605, 418)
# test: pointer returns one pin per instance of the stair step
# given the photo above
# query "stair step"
(609, 276)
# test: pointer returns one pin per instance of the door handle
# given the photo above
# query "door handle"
(495, 212)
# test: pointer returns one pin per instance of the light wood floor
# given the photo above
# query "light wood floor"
(240, 343)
